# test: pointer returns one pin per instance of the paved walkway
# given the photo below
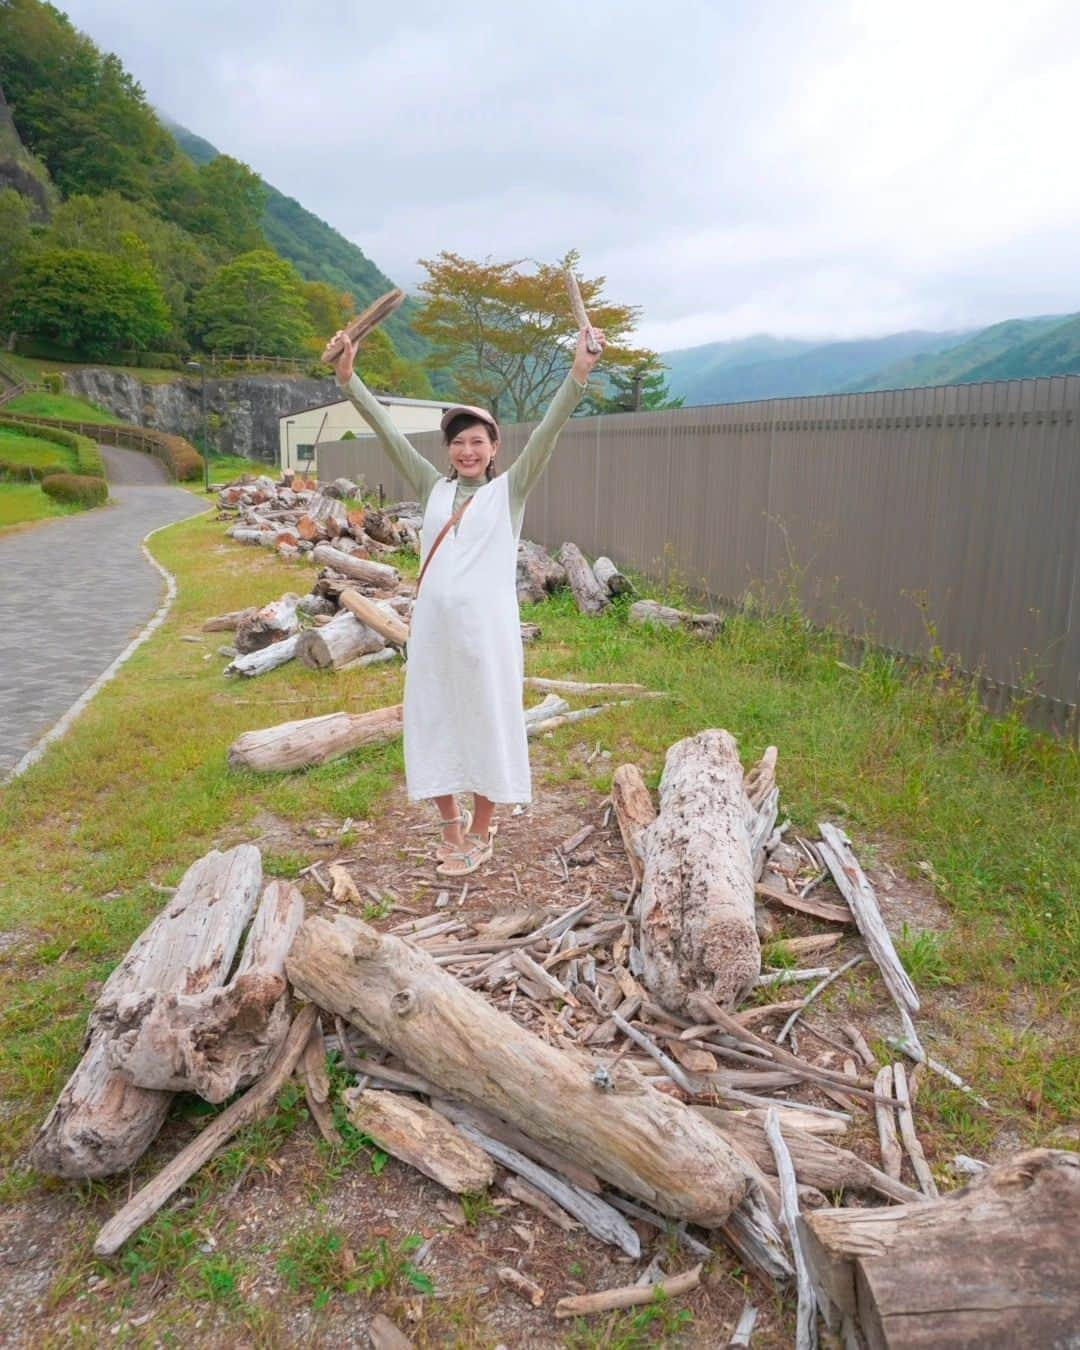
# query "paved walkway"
(74, 592)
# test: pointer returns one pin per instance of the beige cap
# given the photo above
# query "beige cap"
(465, 410)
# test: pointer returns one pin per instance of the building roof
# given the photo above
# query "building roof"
(387, 400)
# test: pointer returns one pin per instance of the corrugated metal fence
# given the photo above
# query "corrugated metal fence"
(955, 509)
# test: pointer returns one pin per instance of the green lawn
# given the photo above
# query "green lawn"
(18, 448)
(33, 369)
(22, 503)
(37, 404)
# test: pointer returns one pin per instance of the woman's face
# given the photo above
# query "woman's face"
(471, 451)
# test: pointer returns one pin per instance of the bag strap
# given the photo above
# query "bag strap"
(454, 520)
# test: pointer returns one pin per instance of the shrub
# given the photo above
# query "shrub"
(76, 488)
(179, 456)
(53, 383)
(89, 457)
(28, 473)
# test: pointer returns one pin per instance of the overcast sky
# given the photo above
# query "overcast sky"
(801, 167)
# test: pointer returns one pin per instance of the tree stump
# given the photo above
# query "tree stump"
(337, 643)
(697, 895)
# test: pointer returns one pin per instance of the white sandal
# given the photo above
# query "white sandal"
(463, 862)
(445, 850)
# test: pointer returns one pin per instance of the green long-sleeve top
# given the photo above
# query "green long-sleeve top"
(421, 476)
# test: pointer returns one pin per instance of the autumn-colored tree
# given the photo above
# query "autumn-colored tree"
(506, 332)
(380, 366)
(328, 309)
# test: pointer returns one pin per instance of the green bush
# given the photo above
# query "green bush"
(28, 473)
(179, 456)
(54, 383)
(76, 488)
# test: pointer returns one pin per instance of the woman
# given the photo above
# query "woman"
(464, 722)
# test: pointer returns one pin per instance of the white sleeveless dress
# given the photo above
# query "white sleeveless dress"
(464, 720)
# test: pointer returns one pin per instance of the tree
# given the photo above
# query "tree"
(88, 302)
(225, 204)
(380, 367)
(638, 388)
(328, 310)
(508, 335)
(16, 242)
(255, 305)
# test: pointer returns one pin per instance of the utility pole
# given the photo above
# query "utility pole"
(197, 365)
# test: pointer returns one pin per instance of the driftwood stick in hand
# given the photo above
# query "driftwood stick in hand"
(630, 1296)
(258, 1099)
(359, 327)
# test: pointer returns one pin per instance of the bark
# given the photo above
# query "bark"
(313, 740)
(101, 1123)
(422, 1138)
(337, 643)
(590, 596)
(609, 576)
(634, 812)
(270, 624)
(664, 616)
(538, 574)
(222, 1039)
(380, 527)
(697, 908)
(996, 1264)
(634, 1137)
(377, 574)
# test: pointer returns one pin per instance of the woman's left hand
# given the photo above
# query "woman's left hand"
(584, 360)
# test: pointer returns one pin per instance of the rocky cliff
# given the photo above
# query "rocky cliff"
(242, 413)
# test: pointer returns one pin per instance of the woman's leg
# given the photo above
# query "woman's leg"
(453, 834)
(483, 810)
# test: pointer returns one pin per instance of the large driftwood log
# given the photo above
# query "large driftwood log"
(337, 643)
(265, 660)
(258, 1099)
(697, 907)
(609, 576)
(377, 615)
(589, 595)
(655, 615)
(634, 1137)
(272, 623)
(996, 1264)
(101, 1123)
(313, 740)
(377, 574)
(538, 574)
(634, 812)
(421, 1137)
(222, 1039)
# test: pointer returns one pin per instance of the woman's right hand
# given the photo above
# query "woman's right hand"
(346, 358)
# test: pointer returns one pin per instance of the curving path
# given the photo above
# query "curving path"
(74, 592)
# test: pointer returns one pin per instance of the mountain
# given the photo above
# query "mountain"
(1054, 351)
(962, 362)
(818, 368)
(315, 249)
(691, 365)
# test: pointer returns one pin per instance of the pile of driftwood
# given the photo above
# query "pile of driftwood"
(595, 1062)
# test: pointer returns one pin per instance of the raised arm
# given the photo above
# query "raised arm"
(413, 467)
(527, 469)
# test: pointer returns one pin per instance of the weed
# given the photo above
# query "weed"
(283, 864)
(216, 1279)
(320, 1261)
(923, 957)
(779, 955)
(477, 1206)
(657, 1323)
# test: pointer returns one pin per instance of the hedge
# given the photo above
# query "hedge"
(42, 350)
(86, 451)
(179, 456)
(76, 488)
(29, 473)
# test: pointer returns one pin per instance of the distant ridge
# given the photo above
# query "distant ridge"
(315, 249)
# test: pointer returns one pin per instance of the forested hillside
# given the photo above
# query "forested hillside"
(115, 245)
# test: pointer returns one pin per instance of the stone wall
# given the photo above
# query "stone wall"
(242, 412)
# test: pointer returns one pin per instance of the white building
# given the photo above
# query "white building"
(301, 432)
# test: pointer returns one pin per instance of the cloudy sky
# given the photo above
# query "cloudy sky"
(809, 168)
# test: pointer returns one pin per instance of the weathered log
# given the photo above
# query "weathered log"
(697, 906)
(377, 574)
(337, 643)
(994, 1265)
(589, 595)
(313, 740)
(265, 660)
(227, 623)
(759, 781)
(634, 1137)
(222, 1039)
(258, 1099)
(273, 622)
(380, 527)
(377, 615)
(582, 687)
(634, 812)
(538, 574)
(421, 1137)
(654, 615)
(806, 1314)
(328, 512)
(609, 576)
(101, 1123)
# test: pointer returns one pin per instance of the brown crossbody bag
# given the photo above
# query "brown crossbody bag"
(455, 519)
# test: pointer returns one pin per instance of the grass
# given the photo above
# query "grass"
(24, 503)
(227, 468)
(18, 448)
(38, 404)
(34, 369)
